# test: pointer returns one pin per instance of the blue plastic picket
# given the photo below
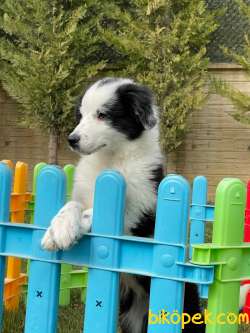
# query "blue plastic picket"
(200, 213)
(103, 287)
(171, 229)
(44, 279)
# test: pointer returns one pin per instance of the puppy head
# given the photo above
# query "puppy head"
(111, 111)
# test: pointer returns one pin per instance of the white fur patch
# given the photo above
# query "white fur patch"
(134, 159)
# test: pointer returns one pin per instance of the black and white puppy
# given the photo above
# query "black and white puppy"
(117, 129)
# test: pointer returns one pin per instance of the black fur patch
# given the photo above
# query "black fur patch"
(192, 306)
(144, 281)
(146, 225)
(157, 176)
(124, 120)
(126, 301)
(131, 112)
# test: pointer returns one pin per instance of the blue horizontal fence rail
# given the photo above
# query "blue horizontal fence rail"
(106, 251)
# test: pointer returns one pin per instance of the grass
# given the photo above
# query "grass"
(244, 329)
(70, 318)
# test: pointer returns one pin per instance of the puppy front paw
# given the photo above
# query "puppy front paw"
(65, 228)
(86, 221)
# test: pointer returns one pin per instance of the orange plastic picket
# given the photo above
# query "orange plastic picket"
(19, 198)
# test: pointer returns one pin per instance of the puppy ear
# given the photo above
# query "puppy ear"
(139, 100)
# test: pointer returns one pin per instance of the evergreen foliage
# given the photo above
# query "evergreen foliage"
(50, 49)
(165, 43)
(240, 100)
(47, 55)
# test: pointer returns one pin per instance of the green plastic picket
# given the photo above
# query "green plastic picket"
(69, 170)
(37, 169)
(229, 255)
(71, 278)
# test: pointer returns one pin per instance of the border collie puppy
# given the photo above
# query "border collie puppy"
(117, 129)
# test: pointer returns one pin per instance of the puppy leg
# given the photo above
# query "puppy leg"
(133, 313)
(133, 304)
(68, 226)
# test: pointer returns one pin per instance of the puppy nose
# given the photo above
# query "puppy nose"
(73, 139)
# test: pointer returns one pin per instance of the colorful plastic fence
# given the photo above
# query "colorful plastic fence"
(107, 252)
(22, 207)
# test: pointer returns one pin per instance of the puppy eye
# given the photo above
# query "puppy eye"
(101, 115)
